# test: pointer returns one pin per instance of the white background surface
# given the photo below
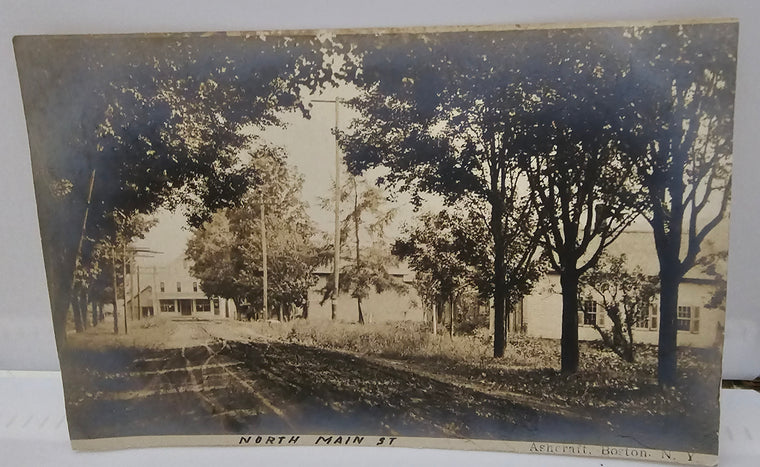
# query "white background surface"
(33, 432)
(26, 336)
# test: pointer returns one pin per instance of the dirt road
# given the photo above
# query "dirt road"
(225, 387)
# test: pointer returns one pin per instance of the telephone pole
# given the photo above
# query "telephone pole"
(264, 256)
(124, 284)
(336, 257)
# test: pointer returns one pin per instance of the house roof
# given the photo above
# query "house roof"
(640, 251)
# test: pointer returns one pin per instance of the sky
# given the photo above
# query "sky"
(310, 147)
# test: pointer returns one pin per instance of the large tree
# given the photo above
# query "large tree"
(437, 112)
(131, 123)
(475, 118)
(680, 89)
(581, 182)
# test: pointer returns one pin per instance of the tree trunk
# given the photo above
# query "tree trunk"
(667, 342)
(60, 300)
(279, 312)
(500, 284)
(306, 308)
(451, 316)
(569, 344)
(115, 293)
(94, 305)
(76, 307)
(83, 309)
(356, 239)
(435, 319)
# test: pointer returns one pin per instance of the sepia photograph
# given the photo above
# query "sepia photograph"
(504, 238)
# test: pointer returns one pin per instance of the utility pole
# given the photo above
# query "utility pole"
(156, 303)
(115, 292)
(131, 294)
(84, 231)
(336, 258)
(264, 255)
(139, 305)
(124, 283)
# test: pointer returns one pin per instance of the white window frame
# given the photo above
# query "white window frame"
(650, 322)
(203, 302)
(693, 318)
(598, 313)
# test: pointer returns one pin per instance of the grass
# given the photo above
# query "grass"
(530, 365)
(400, 340)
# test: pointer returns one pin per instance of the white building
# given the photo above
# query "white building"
(698, 324)
(175, 292)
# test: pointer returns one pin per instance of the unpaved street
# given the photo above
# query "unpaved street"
(253, 386)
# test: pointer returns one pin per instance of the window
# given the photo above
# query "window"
(684, 318)
(202, 305)
(688, 319)
(167, 305)
(163, 287)
(179, 286)
(195, 286)
(590, 314)
(648, 319)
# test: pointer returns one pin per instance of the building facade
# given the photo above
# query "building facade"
(387, 306)
(699, 323)
(172, 291)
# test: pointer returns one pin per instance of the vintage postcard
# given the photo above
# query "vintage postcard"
(508, 238)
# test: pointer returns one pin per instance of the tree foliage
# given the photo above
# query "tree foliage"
(227, 252)
(364, 217)
(157, 119)
(626, 296)
(475, 118)
(432, 252)
(437, 111)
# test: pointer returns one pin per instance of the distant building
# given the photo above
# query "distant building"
(698, 324)
(172, 290)
(144, 302)
(382, 307)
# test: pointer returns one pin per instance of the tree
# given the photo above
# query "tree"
(714, 265)
(227, 251)
(582, 188)
(438, 111)
(627, 296)
(367, 218)
(432, 252)
(475, 117)
(152, 121)
(679, 126)
(93, 274)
